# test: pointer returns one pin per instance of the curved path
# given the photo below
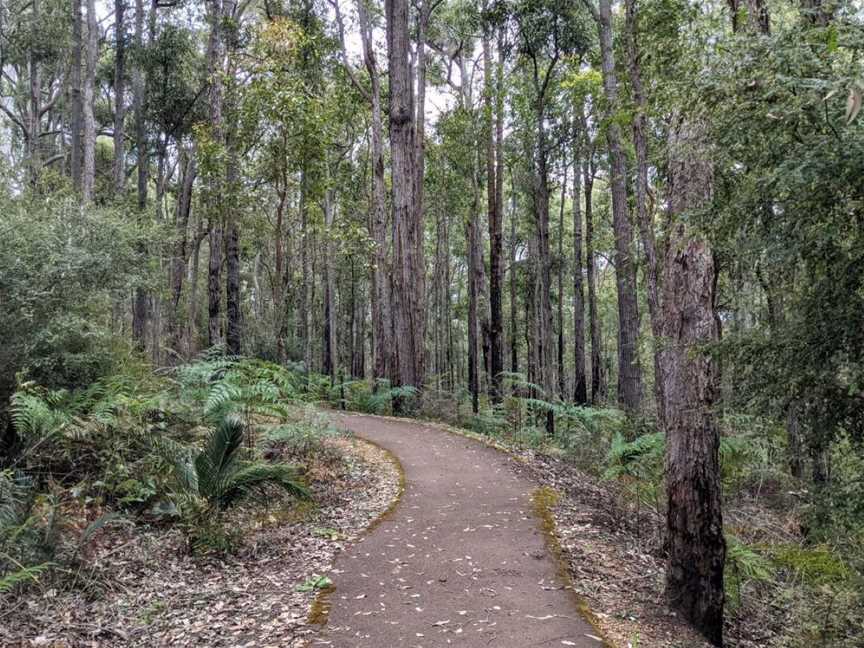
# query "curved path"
(461, 561)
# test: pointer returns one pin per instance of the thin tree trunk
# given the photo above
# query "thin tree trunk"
(514, 323)
(34, 126)
(694, 523)
(216, 179)
(543, 279)
(305, 294)
(119, 166)
(381, 316)
(178, 262)
(494, 209)
(643, 216)
(562, 387)
(580, 390)
(329, 346)
(473, 369)
(139, 307)
(629, 370)
(76, 112)
(597, 375)
(88, 170)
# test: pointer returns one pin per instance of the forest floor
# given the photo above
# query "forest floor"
(141, 587)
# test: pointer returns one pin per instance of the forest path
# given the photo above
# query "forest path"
(461, 561)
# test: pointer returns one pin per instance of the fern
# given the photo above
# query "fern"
(743, 565)
(23, 575)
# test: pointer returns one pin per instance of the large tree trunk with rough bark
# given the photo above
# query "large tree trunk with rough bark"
(408, 268)
(629, 370)
(694, 523)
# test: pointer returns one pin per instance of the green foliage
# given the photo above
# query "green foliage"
(743, 566)
(221, 475)
(61, 266)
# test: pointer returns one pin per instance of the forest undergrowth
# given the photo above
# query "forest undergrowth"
(128, 504)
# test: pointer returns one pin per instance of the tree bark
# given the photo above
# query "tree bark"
(88, 169)
(119, 166)
(629, 370)
(643, 216)
(381, 316)
(694, 523)
(76, 112)
(580, 388)
(34, 117)
(514, 322)
(139, 307)
(598, 388)
(215, 180)
(494, 209)
(329, 346)
(562, 387)
(409, 281)
(178, 262)
(233, 309)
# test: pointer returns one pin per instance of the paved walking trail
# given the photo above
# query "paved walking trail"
(461, 561)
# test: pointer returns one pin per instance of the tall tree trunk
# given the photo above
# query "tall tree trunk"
(279, 270)
(494, 209)
(381, 316)
(694, 524)
(473, 298)
(643, 216)
(76, 111)
(546, 350)
(119, 166)
(562, 387)
(597, 375)
(233, 311)
(629, 370)
(88, 169)
(580, 388)
(233, 315)
(409, 269)
(178, 262)
(139, 307)
(34, 116)
(514, 323)
(216, 216)
(306, 301)
(329, 346)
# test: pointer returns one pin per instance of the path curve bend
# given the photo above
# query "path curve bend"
(461, 561)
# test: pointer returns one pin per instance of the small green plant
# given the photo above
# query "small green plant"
(743, 565)
(221, 475)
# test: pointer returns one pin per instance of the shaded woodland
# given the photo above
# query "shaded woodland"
(628, 233)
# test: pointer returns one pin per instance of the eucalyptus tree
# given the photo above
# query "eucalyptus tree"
(629, 369)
